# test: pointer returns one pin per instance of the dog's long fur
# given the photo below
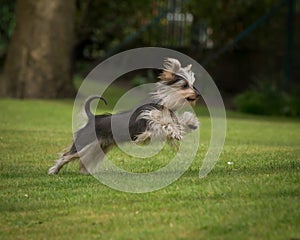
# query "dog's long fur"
(156, 121)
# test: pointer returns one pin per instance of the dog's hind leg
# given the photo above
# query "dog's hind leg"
(82, 168)
(90, 161)
(66, 158)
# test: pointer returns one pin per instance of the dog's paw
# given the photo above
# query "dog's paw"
(83, 171)
(53, 170)
(143, 137)
(173, 132)
(190, 121)
(192, 127)
(177, 135)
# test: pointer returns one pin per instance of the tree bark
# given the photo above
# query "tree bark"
(39, 58)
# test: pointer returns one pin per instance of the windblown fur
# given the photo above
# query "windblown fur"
(156, 121)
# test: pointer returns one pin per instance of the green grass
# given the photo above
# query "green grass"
(257, 197)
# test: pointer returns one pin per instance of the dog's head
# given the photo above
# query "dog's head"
(178, 83)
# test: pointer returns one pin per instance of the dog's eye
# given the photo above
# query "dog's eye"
(186, 85)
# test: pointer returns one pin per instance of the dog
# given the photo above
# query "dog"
(155, 121)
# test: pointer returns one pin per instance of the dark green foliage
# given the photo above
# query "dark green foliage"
(139, 80)
(266, 98)
(229, 18)
(102, 25)
(7, 23)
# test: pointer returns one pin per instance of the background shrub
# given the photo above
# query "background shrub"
(267, 98)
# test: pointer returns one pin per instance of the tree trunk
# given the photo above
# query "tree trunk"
(38, 63)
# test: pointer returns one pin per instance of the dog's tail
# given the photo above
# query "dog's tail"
(88, 103)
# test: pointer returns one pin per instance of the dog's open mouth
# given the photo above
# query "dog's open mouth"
(190, 99)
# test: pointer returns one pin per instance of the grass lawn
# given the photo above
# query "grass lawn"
(256, 197)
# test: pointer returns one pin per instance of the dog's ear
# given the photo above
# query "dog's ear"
(188, 67)
(170, 67)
